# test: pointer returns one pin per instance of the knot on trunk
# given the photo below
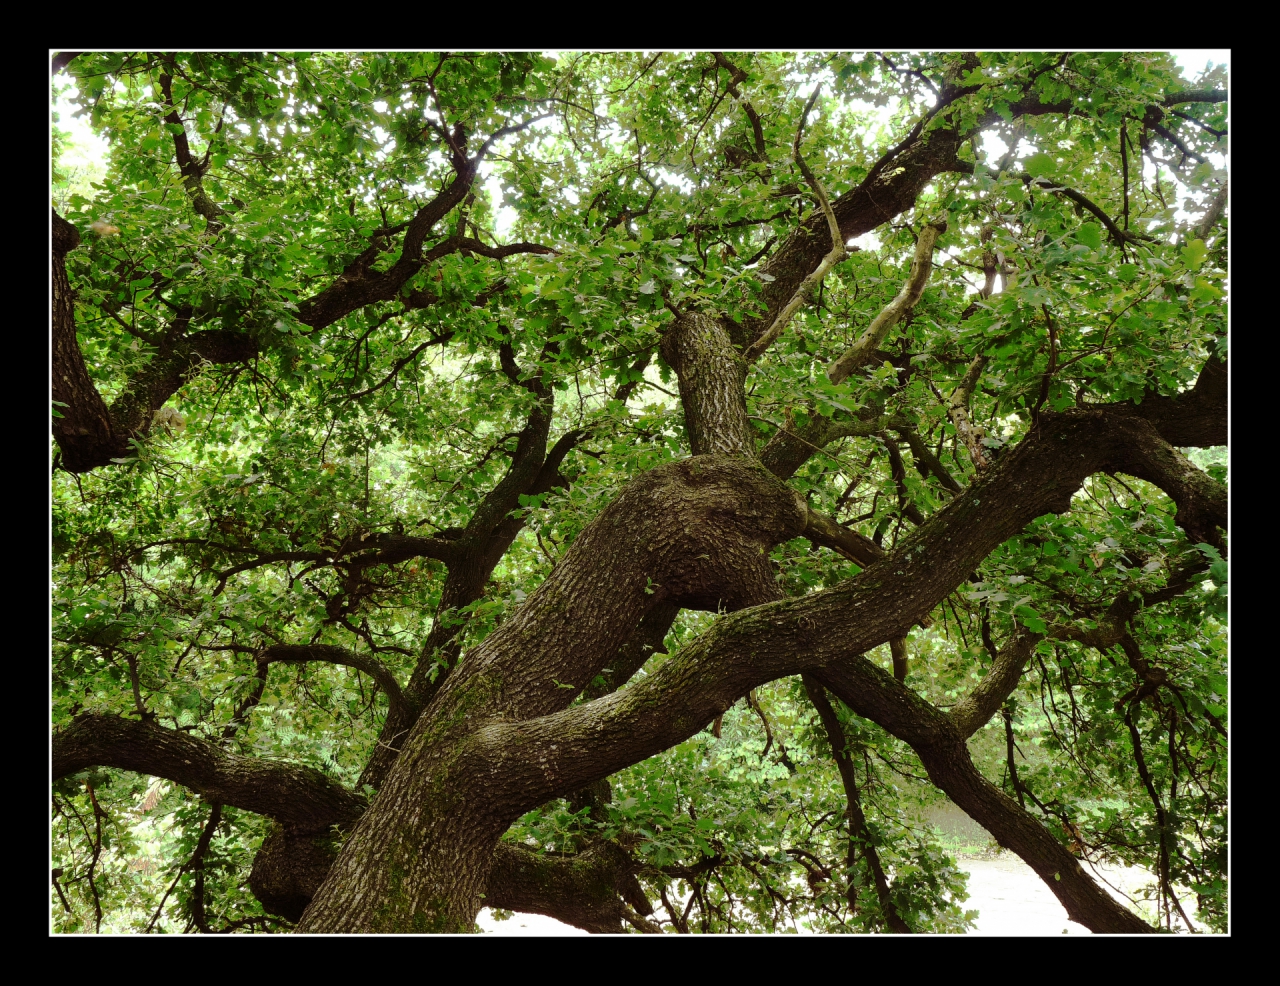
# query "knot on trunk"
(707, 528)
(288, 870)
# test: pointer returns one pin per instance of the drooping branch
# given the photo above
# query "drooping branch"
(1120, 236)
(587, 890)
(302, 798)
(860, 839)
(874, 695)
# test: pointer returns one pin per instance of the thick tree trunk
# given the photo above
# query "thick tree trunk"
(695, 532)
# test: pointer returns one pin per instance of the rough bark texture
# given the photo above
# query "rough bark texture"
(493, 744)
(711, 373)
(695, 532)
(85, 425)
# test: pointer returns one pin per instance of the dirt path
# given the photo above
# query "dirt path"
(1011, 900)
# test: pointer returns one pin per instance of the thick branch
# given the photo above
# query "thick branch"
(822, 530)
(586, 890)
(1196, 418)
(711, 374)
(89, 434)
(976, 709)
(1196, 96)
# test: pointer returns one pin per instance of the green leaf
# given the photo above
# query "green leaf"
(1090, 234)
(1039, 165)
(1029, 618)
(1193, 254)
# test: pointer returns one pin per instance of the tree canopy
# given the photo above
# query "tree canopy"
(634, 487)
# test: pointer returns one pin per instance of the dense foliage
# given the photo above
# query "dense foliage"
(355, 348)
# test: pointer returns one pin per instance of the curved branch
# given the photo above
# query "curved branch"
(909, 295)
(1195, 418)
(302, 654)
(191, 169)
(586, 890)
(827, 631)
(89, 434)
(1117, 234)
(61, 60)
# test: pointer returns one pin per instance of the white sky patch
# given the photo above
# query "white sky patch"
(504, 217)
(1194, 61)
(84, 156)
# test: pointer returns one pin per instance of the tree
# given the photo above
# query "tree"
(657, 473)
